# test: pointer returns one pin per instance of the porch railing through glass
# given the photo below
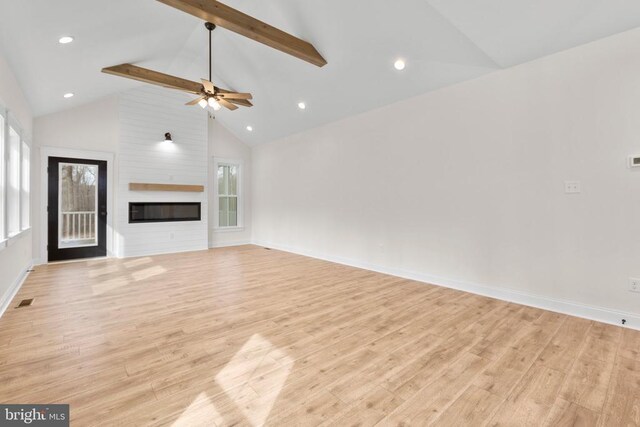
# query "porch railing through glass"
(78, 227)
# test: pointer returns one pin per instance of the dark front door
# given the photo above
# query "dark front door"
(77, 208)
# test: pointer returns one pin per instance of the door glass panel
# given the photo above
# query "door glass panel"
(78, 205)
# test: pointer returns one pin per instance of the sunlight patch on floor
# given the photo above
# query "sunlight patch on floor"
(255, 366)
(108, 285)
(201, 412)
(137, 262)
(108, 269)
(148, 273)
(118, 282)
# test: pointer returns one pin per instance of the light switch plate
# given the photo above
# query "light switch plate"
(634, 285)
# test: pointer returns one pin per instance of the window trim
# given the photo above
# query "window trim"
(3, 191)
(13, 125)
(10, 121)
(24, 142)
(220, 161)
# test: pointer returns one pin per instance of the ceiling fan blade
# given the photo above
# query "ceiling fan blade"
(227, 104)
(235, 95)
(154, 77)
(208, 86)
(238, 22)
(242, 102)
(195, 101)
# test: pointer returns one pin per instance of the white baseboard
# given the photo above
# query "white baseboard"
(229, 244)
(5, 300)
(600, 314)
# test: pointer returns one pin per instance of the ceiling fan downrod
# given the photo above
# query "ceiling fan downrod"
(210, 26)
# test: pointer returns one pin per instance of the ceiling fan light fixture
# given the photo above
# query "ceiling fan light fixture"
(65, 39)
(213, 103)
(203, 103)
(250, 128)
(68, 95)
(302, 105)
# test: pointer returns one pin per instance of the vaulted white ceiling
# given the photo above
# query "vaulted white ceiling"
(443, 42)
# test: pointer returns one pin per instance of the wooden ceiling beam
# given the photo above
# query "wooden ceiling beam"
(154, 77)
(233, 20)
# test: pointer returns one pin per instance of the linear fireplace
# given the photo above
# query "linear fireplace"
(164, 211)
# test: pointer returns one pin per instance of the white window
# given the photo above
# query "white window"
(25, 194)
(2, 175)
(228, 194)
(13, 184)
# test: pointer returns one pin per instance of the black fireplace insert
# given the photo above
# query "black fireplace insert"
(164, 211)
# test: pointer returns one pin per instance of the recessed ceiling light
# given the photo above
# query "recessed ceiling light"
(68, 95)
(302, 105)
(399, 65)
(65, 40)
(250, 129)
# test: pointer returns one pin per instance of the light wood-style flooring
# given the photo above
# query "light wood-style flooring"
(249, 336)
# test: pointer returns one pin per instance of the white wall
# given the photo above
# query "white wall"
(91, 127)
(17, 256)
(465, 185)
(223, 144)
(12, 97)
(145, 115)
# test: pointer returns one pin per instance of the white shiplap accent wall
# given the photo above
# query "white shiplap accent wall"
(146, 113)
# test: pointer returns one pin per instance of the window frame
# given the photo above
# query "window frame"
(11, 233)
(4, 130)
(217, 162)
(24, 143)
(9, 121)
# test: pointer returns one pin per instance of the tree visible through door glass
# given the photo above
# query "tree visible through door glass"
(78, 205)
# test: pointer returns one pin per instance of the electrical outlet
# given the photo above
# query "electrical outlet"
(634, 285)
(572, 187)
